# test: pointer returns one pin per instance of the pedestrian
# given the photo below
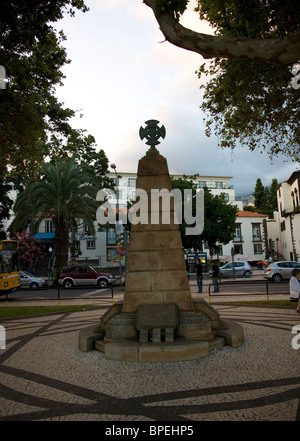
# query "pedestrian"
(215, 276)
(295, 287)
(49, 273)
(199, 275)
(187, 268)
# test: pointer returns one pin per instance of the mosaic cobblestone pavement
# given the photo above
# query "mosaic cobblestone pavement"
(44, 376)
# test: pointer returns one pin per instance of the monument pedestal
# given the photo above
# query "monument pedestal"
(158, 319)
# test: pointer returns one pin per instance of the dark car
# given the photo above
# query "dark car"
(76, 275)
(278, 271)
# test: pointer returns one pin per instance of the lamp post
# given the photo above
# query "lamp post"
(277, 242)
(114, 167)
(218, 249)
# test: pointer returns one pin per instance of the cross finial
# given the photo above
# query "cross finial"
(152, 132)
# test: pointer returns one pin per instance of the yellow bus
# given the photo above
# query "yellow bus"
(9, 266)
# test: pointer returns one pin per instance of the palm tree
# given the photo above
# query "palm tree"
(65, 193)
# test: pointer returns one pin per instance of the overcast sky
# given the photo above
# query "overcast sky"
(123, 74)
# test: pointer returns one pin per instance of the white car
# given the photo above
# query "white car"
(241, 269)
(278, 271)
(28, 280)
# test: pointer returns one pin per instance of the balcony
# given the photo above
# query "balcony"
(238, 238)
(256, 239)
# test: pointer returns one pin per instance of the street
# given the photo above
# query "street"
(55, 293)
(242, 288)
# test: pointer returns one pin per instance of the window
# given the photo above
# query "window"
(237, 233)
(226, 196)
(131, 182)
(111, 237)
(90, 244)
(202, 184)
(111, 254)
(257, 247)
(48, 227)
(219, 184)
(238, 248)
(284, 265)
(256, 236)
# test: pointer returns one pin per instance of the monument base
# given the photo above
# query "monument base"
(160, 333)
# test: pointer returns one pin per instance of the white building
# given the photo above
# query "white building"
(102, 248)
(249, 240)
(249, 237)
(284, 230)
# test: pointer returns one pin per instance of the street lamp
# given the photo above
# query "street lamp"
(218, 249)
(114, 167)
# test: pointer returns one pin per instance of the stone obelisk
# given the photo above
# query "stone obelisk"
(158, 320)
(156, 266)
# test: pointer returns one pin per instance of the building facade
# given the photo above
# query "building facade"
(284, 230)
(104, 250)
(249, 240)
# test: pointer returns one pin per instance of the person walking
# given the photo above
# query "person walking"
(215, 276)
(199, 274)
(187, 268)
(295, 287)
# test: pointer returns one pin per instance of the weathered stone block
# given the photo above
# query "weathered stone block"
(155, 240)
(138, 281)
(156, 335)
(133, 299)
(182, 298)
(234, 334)
(177, 351)
(122, 351)
(169, 335)
(121, 327)
(88, 336)
(195, 325)
(144, 336)
(156, 316)
(170, 281)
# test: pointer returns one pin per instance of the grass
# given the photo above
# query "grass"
(273, 303)
(25, 311)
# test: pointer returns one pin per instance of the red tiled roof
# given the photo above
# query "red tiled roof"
(241, 213)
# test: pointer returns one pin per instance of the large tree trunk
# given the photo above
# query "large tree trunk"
(280, 51)
(61, 243)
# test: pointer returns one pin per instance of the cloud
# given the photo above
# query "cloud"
(121, 76)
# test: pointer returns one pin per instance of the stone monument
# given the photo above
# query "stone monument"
(158, 320)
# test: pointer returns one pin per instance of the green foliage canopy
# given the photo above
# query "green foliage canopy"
(251, 96)
(31, 51)
(219, 216)
(66, 192)
(252, 102)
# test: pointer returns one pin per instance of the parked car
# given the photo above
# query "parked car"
(241, 269)
(27, 280)
(84, 275)
(278, 271)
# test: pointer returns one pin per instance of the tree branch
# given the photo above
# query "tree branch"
(280, 51)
